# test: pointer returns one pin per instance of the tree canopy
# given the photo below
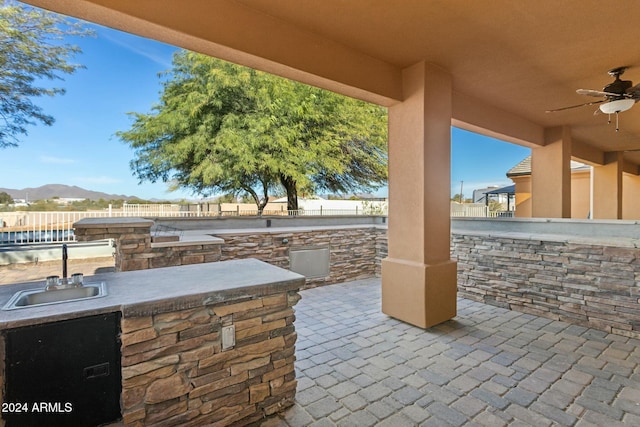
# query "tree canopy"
(31, 51)
(223, 128)
(5, 198)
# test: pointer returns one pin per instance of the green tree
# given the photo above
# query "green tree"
(223, 128)
(31, 51)
(495, 206)
(460, 199)
(5, 198)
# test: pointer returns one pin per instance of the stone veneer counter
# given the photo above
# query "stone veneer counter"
(582, 272)
(158, 290)
(174, 369)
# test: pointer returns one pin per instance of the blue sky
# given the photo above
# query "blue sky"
(480, 161)
(121, 76)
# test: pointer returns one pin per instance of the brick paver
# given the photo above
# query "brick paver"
(487, 367)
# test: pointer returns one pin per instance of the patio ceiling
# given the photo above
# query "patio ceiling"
(509, 60)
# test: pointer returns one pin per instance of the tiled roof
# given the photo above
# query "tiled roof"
(524, 167)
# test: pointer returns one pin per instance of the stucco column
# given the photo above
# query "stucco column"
(607, 187)
(630, 196)
(551, 175)
(418, 276)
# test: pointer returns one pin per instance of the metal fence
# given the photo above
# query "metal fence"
(477, 210)
(40, 227)
(25, 227)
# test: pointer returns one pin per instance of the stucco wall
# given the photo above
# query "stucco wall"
(630, 201)
(523, 196)
(580, 195)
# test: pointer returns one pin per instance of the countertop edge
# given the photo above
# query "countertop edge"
(210, 299)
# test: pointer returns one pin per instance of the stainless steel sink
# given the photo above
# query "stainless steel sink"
(39, 297)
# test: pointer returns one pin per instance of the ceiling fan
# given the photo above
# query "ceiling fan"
(618, 96)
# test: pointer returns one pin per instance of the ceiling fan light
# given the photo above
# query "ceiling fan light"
(617, 106)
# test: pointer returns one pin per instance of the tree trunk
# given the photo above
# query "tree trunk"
(289, 185)
(260, 203)
(261, 206)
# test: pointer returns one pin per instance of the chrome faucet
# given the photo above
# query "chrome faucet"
(65, 257)
(55, 282)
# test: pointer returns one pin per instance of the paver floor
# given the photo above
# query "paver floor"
(487, 367)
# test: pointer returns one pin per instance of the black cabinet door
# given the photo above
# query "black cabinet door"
(64, 373)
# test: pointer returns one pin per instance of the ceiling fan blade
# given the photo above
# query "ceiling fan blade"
(576, 106)
(596, 93)
(634, 91)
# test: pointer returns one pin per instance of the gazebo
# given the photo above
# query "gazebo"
(509, 191)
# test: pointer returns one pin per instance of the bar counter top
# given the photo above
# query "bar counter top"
(147, 292)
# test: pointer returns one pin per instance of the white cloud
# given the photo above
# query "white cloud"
(138, 45)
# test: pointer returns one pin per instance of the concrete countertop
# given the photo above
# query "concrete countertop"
(113, 222)
(146, 292)
(286, 230)
(618, 242)
(190, 239)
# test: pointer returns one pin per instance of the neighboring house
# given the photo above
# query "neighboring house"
(314, 205)
(520, 174)
(317, 203)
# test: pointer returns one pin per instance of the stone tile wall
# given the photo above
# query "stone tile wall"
(593, 285)
(382, 250)
(586, 284)
(353, 251)
(175, 373)
(169, 256)
(135, 251)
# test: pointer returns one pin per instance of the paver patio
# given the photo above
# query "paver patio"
(489, 366)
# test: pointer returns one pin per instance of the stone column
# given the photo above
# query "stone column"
(132, 237)
(551, 175)
(418, 276)
(607, 187)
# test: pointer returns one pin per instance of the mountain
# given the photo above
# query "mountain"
(50, 191)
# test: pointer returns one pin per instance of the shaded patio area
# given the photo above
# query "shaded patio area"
(488, 366)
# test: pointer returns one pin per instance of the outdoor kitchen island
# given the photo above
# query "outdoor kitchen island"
(197, 344)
